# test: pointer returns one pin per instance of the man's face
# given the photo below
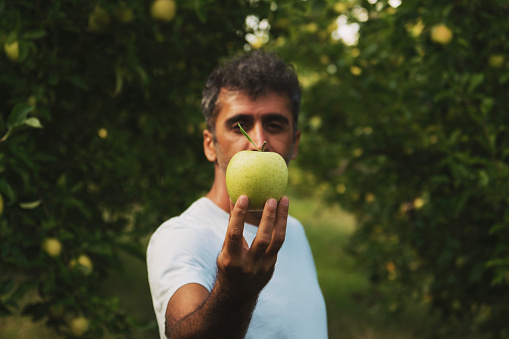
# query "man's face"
(268, 118)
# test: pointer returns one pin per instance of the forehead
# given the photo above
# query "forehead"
(239, 102)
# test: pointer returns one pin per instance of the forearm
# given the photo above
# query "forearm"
(222, 315)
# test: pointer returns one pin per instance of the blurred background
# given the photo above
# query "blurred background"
(401, 180)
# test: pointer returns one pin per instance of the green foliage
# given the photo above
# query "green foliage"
(101, 127)
(101, 141)
(411, 135)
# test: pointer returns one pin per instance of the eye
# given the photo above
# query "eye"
(275, 127)
(245, 125)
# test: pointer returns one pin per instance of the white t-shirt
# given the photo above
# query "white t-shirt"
(184, 250)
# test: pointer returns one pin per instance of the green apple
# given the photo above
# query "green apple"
(496, 60)
(123, 13)
(99, 19)
(78, 326)
(52, 246)
(82, 264)
(163, 10)
(12, 51)
(258, 174)
(441, 34)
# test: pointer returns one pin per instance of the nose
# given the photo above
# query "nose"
(258, 135)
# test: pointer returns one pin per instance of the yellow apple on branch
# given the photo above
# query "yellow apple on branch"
(163, 10)
(12, 51)
(78, 326)
(441, 34)
(52, 246)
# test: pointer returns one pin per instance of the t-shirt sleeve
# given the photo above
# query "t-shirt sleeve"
(177, 255)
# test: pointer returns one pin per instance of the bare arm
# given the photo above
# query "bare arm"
(242, 272)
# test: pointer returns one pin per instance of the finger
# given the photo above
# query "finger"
(232, 205)
(234, 239)
(279, 231)
(246, 245)
(264, 234)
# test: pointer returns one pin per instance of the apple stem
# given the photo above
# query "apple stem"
(251, 140)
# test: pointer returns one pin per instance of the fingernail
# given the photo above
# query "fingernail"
(285, 201)
(243, 200)
(272, 203)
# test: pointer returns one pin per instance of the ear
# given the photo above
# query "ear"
(296, 141)
(209, 146)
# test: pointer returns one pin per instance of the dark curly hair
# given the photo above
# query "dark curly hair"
(255, 74)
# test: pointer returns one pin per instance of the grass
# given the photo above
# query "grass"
(350, 314)
(344, 287)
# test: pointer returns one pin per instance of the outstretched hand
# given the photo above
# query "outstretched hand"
(244, 270)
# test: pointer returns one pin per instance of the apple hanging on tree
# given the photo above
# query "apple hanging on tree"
(258, 174)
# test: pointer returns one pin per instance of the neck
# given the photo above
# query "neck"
(219, 195)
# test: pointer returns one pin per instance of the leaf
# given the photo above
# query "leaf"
(33, 122)
(23, 50)
(7, 190)
(200, 13)
(11, 37)
(497, 228)
(78, 82)
(35, 34)
(29, 205)
(499, 278)
(484, 178)
(119, 82)
(447, 94)
(475, 81)
(80, 205)
(18, 115)
(504, 78)
(486, 105)
(498, 262)
(453, 139)
(247, 136)
(143, 75)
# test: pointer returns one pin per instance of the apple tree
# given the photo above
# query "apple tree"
(405, 125)
(100, 129)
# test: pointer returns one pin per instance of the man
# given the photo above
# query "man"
(218, 271)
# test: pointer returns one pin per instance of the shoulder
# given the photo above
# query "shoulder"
(294, 221)
(191, 229)
(190, 219)
(296, 237)
(293, 225)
